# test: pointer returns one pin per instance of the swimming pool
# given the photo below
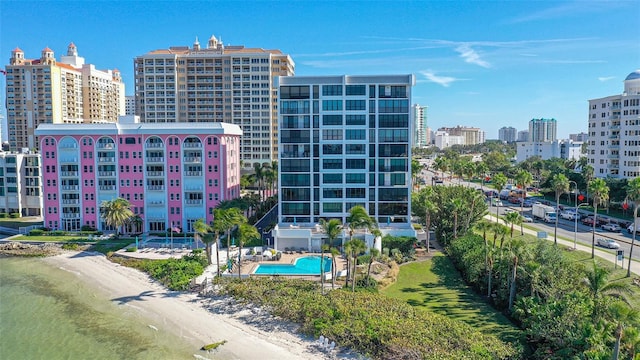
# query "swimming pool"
(308, 265)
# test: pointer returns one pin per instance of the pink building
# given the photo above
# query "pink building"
(172, 174)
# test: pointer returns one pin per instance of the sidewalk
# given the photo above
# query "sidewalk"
(635, 266)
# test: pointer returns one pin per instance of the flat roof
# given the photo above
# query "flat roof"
(208, 128)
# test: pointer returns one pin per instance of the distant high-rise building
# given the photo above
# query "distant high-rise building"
(20, 183)
(444, 140)
(523, 135)
(219, 83)
(541, 130)
(471, 136)
(614, 132)
(420, 135)
(507, 134)
(130, 105)
(579, 137)
(44, 90)
(563, 149)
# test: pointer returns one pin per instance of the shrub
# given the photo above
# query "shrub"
(402, 243)
(364, 259)
(36, 232)
(15, 215)
(3, 215)
(70, 246)
(58, 233)
(131, 249)
(176, 274)
(87, 228)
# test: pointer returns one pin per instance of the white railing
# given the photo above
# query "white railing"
(71, 201)
(154, 173)
(68, 173)
(107, 187)
(154, 145)
(193, 201)
(155, 187)
(155, 159)
(70, 215)
(192, 159)
(70, 187)
(192, 145)
(106, 173)
(193, 173)
(107, 159)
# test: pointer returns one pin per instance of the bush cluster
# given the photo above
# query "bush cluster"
(370, 323)
(175, 274)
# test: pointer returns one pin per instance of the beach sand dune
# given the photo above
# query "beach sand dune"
(250, 333)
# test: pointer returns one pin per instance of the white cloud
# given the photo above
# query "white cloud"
(440, 80)
(471, 56)
(606, 78)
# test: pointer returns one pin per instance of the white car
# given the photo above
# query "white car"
(508, 210)
(612, 227)
(527, 219)
(567, 215)
(608, 243)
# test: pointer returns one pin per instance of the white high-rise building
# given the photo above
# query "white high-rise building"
(507, 134)
(344, 141)
(563, 149)
(217, 83)
(541, 130)
(523, 135)
(20, 183)
(47, 91)
(421, 136)
(444, 140)
(614, 132)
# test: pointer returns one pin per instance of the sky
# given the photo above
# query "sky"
(485, 64)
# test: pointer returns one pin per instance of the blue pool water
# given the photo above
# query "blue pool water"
(308, 265)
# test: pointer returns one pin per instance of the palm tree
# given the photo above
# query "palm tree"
(219, 227)
(430, 208)
(334, 252)
(560, 185)
(333, 229)
(116, 212)
(347, 253)
(233, 218)
(357, 246)
(513, 218)
(457, 206)
(415, 171)
(587, 175)
(201, 229)
(135, 223)
(622, 315)
(259, 174)
(246, 232)
(517, 250)
(359, 219)
(442, 164)
(524, 179)
(323, 248)
(482, 169)
(490, 260)
(499, 181)
(599, 287)
(633, 194)
(600, 192)
(631, 338)
(373, 255)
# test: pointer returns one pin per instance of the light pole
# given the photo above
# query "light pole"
(575, 232)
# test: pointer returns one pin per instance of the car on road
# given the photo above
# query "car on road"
(608, 243)
(509, 210)
(568, 215)
(527, 218)
(612, 227)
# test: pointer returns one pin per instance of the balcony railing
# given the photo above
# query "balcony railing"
(105, 146)
(192, 159)
(70, 187)
(70, 215)
(69, 160)
(69, 173)
(109, 159)
(155, 187)
(193, 173)
(107, 173)
(153, 145)
(155, 203)
(193, 201)
(71, 201)
(192, 145)
(107, 187)
(154, 159)
(154, 173)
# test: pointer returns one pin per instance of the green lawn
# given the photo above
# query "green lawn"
(19, 222)
(52, 238)
(435, 285)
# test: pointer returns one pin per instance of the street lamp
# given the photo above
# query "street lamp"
(575, 233)
(575, 230)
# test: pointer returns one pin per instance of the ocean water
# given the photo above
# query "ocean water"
(46, 313)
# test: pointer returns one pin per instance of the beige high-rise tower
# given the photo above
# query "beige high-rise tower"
(67, 91)
(218, 83)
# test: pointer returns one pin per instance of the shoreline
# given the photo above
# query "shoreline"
(250, 332)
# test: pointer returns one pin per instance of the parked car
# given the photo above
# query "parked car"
(527, 218)
(612, 227)
(608, 243)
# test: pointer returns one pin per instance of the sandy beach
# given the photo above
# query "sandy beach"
(250, 332)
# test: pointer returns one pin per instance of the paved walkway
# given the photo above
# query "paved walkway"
(608, 255)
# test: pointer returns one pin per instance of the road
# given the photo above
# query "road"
(565, 227)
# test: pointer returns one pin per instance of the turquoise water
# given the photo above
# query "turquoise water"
(308, 265)
(46, 313)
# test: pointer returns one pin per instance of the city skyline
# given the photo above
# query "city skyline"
(480, 64)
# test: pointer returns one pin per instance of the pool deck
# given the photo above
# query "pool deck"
(248, 265)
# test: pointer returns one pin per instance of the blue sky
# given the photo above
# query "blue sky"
(486, 64)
